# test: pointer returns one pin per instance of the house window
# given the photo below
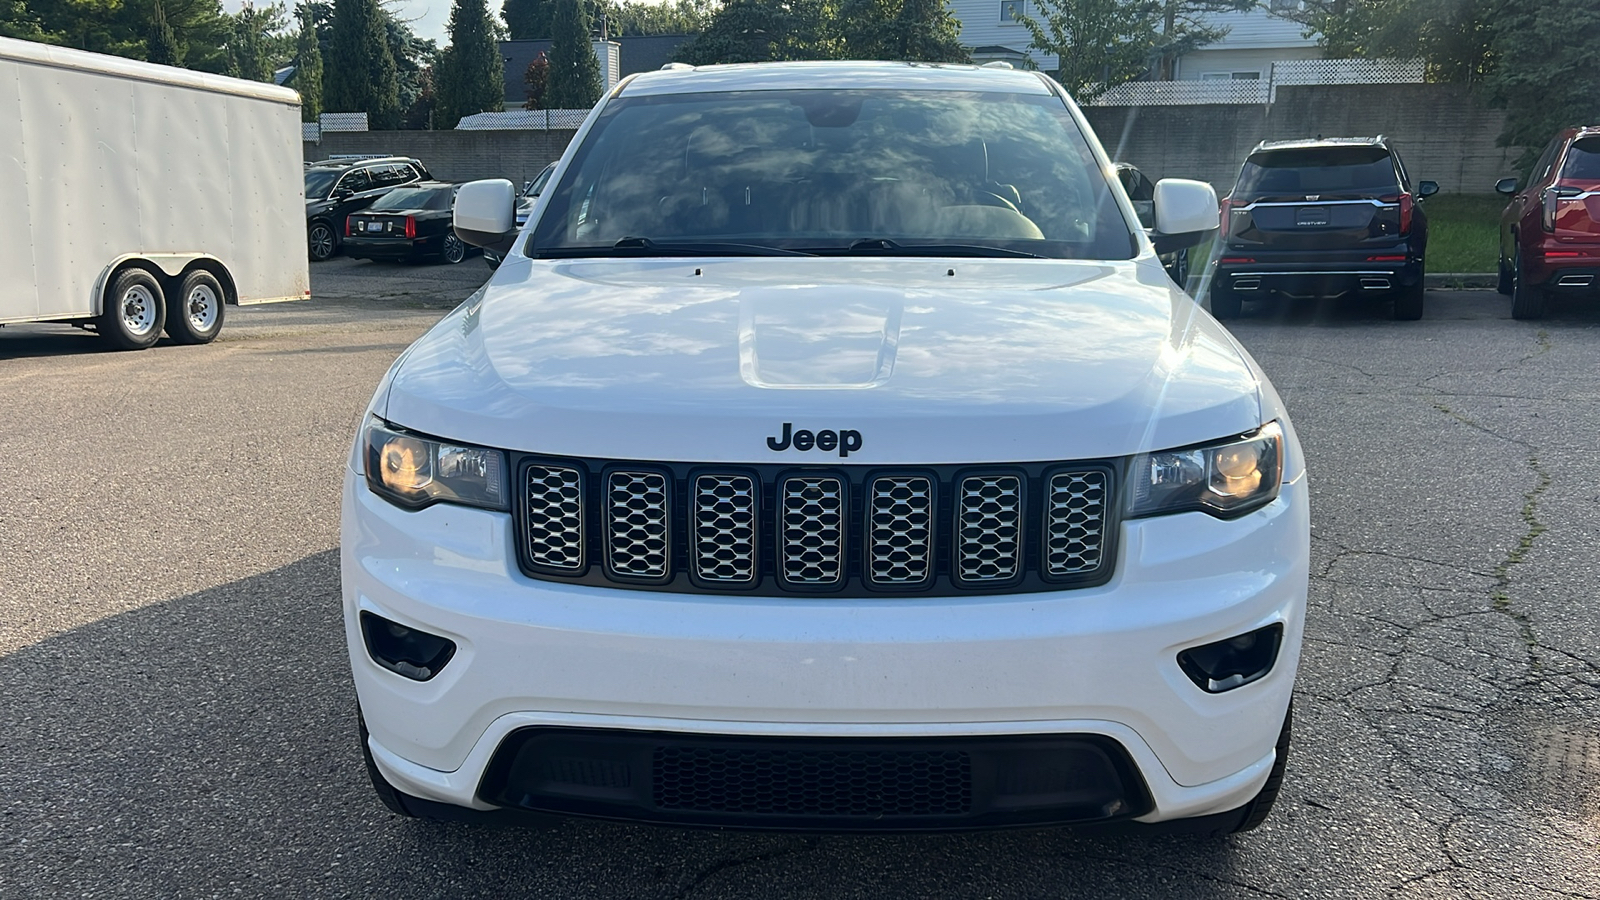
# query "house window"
(1010, 10)
(1283, 6)
(1230, 76)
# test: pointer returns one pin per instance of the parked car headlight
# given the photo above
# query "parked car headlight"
(1225, 479)
(414, 472)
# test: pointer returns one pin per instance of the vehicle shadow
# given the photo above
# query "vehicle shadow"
(207, 745)
(35, 341)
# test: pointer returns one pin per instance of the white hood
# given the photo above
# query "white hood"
(929, 360)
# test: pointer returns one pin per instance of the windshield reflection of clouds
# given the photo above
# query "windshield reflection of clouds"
(788, 167)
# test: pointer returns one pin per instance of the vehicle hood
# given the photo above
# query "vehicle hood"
(929, 360)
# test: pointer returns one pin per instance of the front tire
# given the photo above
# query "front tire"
(194, 314)
(321, 241)
(1504, 285)
(454, 249)
(1225, 302)
(1255, 812)
(134, 312)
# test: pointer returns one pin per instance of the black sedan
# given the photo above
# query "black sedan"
(407, 223)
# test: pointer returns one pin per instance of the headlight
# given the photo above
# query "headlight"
(1226, 479)
(414, 472)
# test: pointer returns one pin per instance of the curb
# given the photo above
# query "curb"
(1461, 280)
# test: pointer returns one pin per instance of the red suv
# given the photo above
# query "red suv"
(1550, 231)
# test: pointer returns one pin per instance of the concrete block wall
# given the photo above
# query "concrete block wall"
(1443, 133)
(455, 155)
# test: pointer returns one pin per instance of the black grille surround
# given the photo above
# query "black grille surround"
(825, 784)
(787, 530)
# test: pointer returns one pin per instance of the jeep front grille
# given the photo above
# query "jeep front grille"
(775, 530)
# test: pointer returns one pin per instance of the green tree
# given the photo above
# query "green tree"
(574, 71)
(1100, 43)
(161, 45)
(536, 82)
(1544, 78)
(17, 21)
(470, 74)
(529, 20)
(258, 44)
(360, 69)
(308, 67)
(633, 17)
(920, 30)
(1184, 28)
(766, 30)
(1454, 37)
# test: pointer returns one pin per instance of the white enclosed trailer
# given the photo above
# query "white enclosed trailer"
(137, 198)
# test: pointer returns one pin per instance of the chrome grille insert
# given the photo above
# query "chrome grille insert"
(900, 530)
(988, 514)
(555, 517)
(725, 529)
(810, 530)
(1075, 523)
(636, 524)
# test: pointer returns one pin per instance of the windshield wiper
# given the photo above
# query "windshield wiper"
(887, 247)
(648, 247)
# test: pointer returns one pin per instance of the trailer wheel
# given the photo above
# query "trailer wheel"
(194, 314)
(135, 311)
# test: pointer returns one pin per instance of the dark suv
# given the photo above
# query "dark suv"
(336, 188)
(1550, 231)
(1323, 217)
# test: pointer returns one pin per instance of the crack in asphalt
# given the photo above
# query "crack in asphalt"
(805, 845)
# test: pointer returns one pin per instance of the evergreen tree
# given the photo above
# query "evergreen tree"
(574, 71)
(470, 74)
(766, 30)
(529, 20)
(257, 44)
(536, 82)
(308, 68)
(919, 30)
(360, 69)
(161, 45)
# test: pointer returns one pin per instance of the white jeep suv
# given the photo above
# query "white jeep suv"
(831, 452)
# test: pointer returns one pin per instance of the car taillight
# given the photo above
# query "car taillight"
(1551, 198)
(1227, 217)
(411, 227)
(346, 227)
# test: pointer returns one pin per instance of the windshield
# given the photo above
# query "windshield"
(433, 198)
(1318, 170)
(817, 171)
(320, 181)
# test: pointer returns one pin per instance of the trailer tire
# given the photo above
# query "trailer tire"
(134, 311)
(194, 313)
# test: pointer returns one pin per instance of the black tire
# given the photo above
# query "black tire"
(1527, 300)
(321, 241)
(1225, 302)
(1504, 284)
(1255, 812)
(1409, 301)
(134, 310)
(454, 249)
(195, 312)
(392, 799)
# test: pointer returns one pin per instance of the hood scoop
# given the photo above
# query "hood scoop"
(811, 338)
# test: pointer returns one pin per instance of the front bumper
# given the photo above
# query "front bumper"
(1086, 662)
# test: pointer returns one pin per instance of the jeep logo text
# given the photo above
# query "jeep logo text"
(845, 442)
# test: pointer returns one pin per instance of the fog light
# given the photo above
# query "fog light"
(1237, 661)
(405, 651)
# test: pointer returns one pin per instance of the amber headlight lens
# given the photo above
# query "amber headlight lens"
(1225, 479)
(414, 472)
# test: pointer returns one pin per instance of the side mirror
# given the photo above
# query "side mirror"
(1184, 211)
(1427, 188)
(486, 214)
(341, 195)
(1505, 186)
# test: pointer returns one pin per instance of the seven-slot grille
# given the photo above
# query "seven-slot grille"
(774, 531)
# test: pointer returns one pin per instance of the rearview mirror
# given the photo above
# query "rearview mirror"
(1184, 212)
(1505, 186)
(1427, 188)
(486, 214)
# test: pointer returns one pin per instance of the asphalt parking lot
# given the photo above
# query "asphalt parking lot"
(177, 719)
